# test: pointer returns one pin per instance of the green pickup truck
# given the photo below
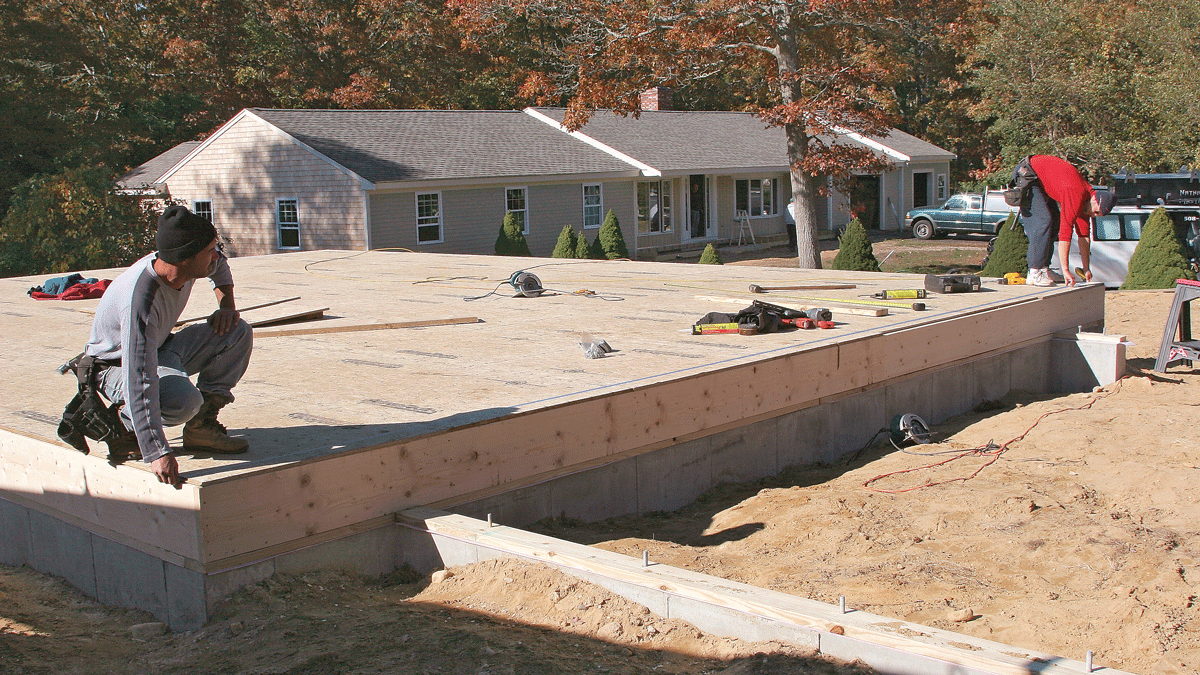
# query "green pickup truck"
(977, 213)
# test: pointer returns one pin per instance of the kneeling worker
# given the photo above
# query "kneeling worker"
(133, 326)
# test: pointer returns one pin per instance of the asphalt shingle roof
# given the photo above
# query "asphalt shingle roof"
(148, 174)
(407, 145)
(674, 140)
(912, 146)
(671, 140)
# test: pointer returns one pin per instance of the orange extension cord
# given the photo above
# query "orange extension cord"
(987, 451)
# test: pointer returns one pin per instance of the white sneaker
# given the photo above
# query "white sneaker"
(1055, 276)
(1039, 277)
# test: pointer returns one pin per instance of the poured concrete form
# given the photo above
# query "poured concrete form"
(501, 415)
(731, 609)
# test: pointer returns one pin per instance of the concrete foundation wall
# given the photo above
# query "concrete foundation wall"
(660, 480)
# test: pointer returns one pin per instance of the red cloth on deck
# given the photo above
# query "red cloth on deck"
(76, 292)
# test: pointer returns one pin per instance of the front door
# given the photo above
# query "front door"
(864, 201)
(699, 207)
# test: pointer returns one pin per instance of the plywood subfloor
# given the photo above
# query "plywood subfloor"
(308, 396)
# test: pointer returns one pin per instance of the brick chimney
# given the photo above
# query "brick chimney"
(657, 98)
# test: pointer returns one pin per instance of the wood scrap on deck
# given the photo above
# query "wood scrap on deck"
(365, 327)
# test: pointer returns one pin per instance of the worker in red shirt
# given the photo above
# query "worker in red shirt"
(1060, 202)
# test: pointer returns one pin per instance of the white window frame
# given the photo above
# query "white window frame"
(767, 192)
(598, 206)
(941, 187)
(428, 220)
(197, 210)
(281, 225)
(664, 203)
(524, 210)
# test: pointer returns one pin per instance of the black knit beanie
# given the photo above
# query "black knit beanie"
(182, 234)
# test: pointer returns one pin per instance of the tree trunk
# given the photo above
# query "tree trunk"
(804, 194)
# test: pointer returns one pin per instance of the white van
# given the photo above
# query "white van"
(1115, 236)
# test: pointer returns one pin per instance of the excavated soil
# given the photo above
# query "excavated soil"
(1075, 530)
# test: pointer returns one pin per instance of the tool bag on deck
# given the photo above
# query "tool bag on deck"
(88, 414)
(762, 318)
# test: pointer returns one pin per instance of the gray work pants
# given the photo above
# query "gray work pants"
(218, 360)
(1039, 217)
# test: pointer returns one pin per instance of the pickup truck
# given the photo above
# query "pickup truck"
(978, 213)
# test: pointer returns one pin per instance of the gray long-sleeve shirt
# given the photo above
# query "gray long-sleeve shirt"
(133, 320)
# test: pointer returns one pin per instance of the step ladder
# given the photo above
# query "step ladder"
(1180, 319)
(742, 218)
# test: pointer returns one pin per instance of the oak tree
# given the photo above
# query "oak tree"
(822, 64)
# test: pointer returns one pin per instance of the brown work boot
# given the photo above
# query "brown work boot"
(123, 449)
(203, 433)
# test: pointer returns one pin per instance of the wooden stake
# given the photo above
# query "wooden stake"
(243, 309)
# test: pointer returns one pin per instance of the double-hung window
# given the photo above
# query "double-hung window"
(758, 196)
(203, 208)
(287, 222)
(515, 203)
(654, 206)
(593, 205)
(429, 217)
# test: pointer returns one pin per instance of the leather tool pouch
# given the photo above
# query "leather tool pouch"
(88, 414)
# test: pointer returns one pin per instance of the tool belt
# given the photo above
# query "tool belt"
(88, 414)
(1023, 178)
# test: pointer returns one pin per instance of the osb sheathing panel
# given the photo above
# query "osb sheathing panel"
(347, 427)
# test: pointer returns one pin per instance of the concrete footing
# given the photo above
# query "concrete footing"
(737, 610)
(663, 479)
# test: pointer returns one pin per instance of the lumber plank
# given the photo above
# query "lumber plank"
(241, 310)
(855, 311)
(306, 315)
(365, 327)
(334, 491)
(808, 287)
(123, 499)
(618, 572)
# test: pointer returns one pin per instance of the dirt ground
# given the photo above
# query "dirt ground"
(1080, 534)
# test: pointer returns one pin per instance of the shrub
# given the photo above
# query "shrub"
(583, 249)
(510, 240)
(567, 243)
(612, 242)
(710, 256)
(854, 250)
(1159, 258)
(71, 221)
(1009, 251)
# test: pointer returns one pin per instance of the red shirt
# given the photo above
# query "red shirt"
(1062, 182)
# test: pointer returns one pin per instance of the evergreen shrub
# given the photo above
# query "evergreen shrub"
(567, 243)
(1159, 258)
(583, 249)
(612, 242)
(854, 250)
(710, 256)
(510, 240)
(1009, 251)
